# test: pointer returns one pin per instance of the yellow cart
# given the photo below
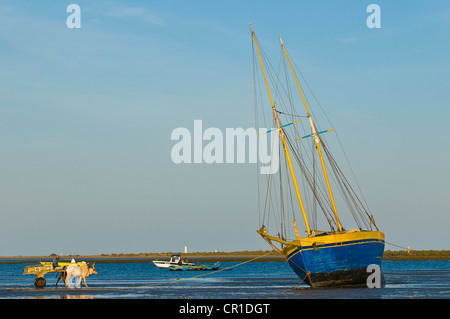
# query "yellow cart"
(43, 268)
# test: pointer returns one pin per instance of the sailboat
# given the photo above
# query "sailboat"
(307, 185)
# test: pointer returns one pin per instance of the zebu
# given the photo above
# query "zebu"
(82, 272)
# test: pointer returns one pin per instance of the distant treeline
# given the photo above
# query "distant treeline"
(230, 256)
(417, 255)
(388, 254)
(243, 253)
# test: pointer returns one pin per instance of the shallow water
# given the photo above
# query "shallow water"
(255, 280)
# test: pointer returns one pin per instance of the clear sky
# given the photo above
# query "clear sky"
(86, 117)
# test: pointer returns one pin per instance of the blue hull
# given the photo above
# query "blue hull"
(337, 264)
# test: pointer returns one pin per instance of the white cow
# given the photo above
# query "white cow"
(78, 271)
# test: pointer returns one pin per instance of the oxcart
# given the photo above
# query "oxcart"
(44, 268)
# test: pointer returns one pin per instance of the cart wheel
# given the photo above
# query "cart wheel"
(40, 282)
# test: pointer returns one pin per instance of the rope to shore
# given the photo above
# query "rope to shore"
(405, 248)
(202, 275)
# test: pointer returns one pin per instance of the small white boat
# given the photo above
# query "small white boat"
(175, 260)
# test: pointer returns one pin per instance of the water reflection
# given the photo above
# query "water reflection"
(77, 297)
(256, 280)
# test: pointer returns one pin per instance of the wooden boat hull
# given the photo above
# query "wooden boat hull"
(199, 267)
(337, 259)
(166, 264)
(175, 260)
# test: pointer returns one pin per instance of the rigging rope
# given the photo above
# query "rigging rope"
(208, 273)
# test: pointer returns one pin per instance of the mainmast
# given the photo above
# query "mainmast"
(283, 139)
(316, 139)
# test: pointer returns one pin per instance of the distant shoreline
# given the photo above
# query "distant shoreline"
(220, 256)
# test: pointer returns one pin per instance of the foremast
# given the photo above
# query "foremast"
(315, 135)
(262, 232)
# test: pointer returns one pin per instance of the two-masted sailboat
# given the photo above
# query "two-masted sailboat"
(307, 184)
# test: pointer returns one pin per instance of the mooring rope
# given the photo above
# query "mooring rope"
(307, 272)
(405, 248)
(161, 283)
(205, 274)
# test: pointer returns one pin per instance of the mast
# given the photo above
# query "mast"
(283, 139)
(316, 139)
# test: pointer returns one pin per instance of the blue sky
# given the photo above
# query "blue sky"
(86, 117)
